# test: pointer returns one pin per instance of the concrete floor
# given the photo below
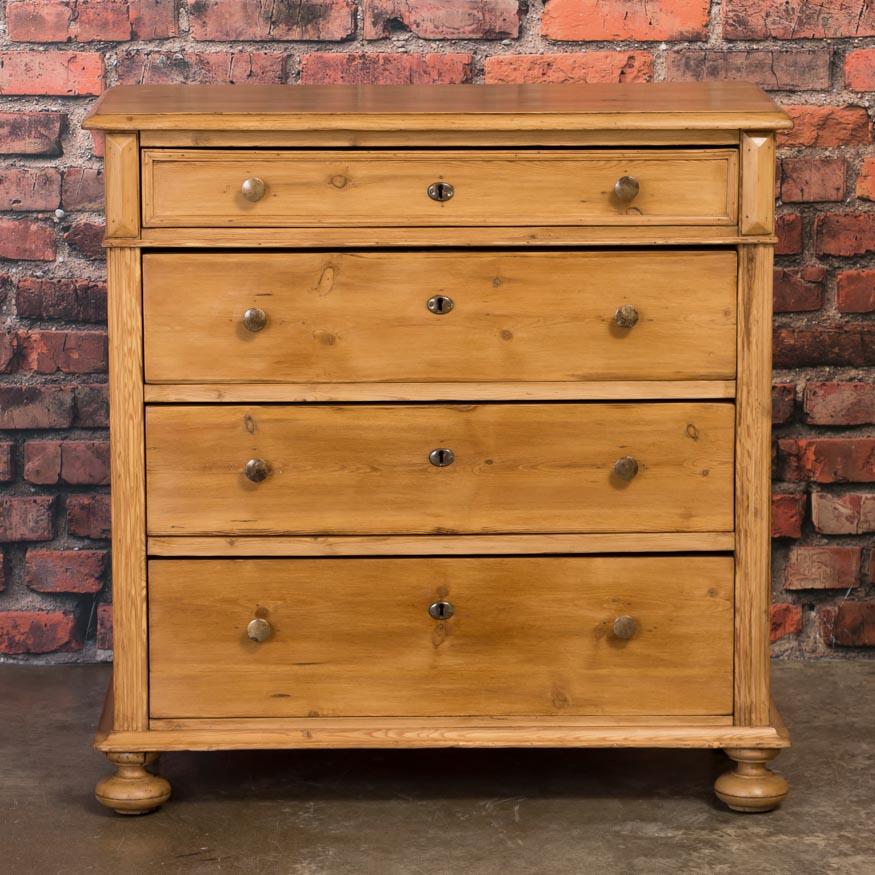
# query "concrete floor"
(436, 812)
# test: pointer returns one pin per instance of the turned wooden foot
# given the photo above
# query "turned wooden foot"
(751, 786)
(132, 790)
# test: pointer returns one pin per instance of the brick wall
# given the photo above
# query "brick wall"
(817, 58)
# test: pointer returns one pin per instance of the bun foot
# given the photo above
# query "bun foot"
(132, 790)
(751, 786)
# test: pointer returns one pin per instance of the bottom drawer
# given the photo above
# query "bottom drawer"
(526, 636)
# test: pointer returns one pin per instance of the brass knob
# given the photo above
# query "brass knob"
(626, 316)
(441, 457)
(259, 630)
(439, 304)
(441, 610)
(254, 319)
(625, 627)
(626, 468)
(440, 191)
(256, 470)
(253, 188)
(626, 188)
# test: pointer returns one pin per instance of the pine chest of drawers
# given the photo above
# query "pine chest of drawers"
(440, 417)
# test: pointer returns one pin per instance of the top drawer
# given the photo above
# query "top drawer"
(215, 188)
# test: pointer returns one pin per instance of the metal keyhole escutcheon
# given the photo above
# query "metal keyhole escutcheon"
(441, 610)
(440, 191)
(439, 304)
(441, 457)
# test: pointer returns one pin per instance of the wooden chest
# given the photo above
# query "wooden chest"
(440, 417)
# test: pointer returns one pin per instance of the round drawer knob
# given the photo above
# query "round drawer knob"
(626, 188)
(440, 191)
(626, 316)
(441, 610)
(626, 468)
(253, 189)
(259, 630)
(256, 470)
(625, 627)
(441, 457)
(254, 319)
(439, 304)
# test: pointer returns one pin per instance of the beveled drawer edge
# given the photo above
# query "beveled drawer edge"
(641, 390)
(444, 545)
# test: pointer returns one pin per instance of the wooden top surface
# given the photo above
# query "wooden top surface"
(651, 106)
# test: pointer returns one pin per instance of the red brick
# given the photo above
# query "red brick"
(54, 73)
(788, 512)
(855, 291)
(87, 238)
(282, 20)
(866, 180)
(24, 240)
(845, 234)
(39, 20)
(104, 627)
(70, 352)
(8, 351)
(29, 188)
(36, 407)
(156, 67)
(98, 144)
(799, 290)
(783, 402)
(797, 19)
(82, 189)
(438, 19)
(2, 571)
(822, 568)
(88, 516)
(69, 299)
(30, 133)
(153, 19)
(26, 518)
(860, 70)
(850, 514)
(7, 464)
(851, 345)
(88, 20)
(774, 69)
(592, 66)
(826, 126)
(77, 571)
(78, 463)
(92, 406)
(385, 68)
(788, 228)
(812, 179)
(840, 403)
(38, 632)
(785, 619)
(628, 20)
(850, 624)
(827, 460)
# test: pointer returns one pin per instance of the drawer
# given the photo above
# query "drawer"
(364, 316)
(366, 469)
(216, 188)
(527, 636)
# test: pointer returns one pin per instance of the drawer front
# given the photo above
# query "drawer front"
(215, 188)
(527, 636)
(362, 469)
(365, 317)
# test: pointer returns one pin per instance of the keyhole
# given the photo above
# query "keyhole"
(441, 457)
(439, 304)
(440, 191)
(441, 610)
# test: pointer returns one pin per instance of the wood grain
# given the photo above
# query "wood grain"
(128, 501)
(365, 470)
(757, 183)
(354, 637)
(628, 106)
(362, 317)
(441, 545)
(122, 185)
(501, 188)
(753, 486)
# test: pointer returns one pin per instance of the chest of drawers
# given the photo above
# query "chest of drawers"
(440, 417)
